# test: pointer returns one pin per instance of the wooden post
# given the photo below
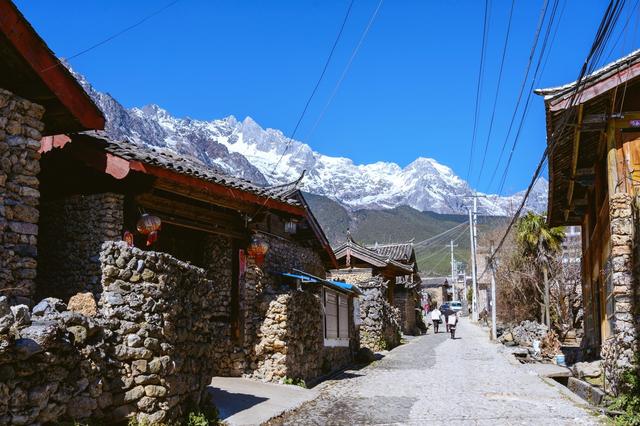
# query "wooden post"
(545, 274)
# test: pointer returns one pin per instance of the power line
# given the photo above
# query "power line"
(441, 251)
(363, 36)
(609, 18)
(543, 14)
(315, 88)
(457, 237)
(306, 106)
(529, 95)
(479, 84)
(345, 71)
(423, 242)
(495, 99)
(623, 30)
(115, 35)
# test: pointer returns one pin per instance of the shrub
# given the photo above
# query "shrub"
(628, 400)
(294, 381)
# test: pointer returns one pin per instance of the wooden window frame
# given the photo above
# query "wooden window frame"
(338, 341)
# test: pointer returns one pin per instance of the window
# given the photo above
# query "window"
(336, 318)
(330, 315)
(343, 316)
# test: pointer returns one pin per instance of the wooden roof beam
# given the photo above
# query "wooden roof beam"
(574, 158)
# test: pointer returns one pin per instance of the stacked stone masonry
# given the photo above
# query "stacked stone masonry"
(146, 350)
(20, 127)
(380, 328)
(72, 231)
(619, 351)
(284, 325)
(352, 275)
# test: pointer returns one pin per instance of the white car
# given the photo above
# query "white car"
(455, 306)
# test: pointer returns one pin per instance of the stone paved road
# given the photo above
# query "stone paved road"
(434, 380)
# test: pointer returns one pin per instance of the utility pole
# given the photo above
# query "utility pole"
(474, 282)
(494, 304)
(453, 271)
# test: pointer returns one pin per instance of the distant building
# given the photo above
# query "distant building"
(395, 263)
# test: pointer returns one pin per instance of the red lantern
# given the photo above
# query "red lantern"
(152, 238)
(128, 238)
(258, 249)
(149, 225)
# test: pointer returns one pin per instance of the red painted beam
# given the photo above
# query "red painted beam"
(45, 64)
(217, 189)
(48, 143)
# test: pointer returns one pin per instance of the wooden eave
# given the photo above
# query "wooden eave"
(172, 181)
(371, 258)
(572, 151)
(30, 70)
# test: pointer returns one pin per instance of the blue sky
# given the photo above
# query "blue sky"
(410, 91)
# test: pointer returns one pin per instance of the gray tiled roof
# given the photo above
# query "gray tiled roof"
(189, 166)
(400, 252)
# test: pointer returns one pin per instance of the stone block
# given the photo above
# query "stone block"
(83, 303)
(134, 394)
(23, 228)
(155, 391)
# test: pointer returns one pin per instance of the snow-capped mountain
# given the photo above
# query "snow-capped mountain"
(267, 156)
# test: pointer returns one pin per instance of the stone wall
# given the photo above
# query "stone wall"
(147, 349)
(380, 327)
(165, 330)
(228, 354)
(352, 275)
(619, 350)
(72, 231)
(283, 329)
(20, 128)
(290, 338)
(52, 364)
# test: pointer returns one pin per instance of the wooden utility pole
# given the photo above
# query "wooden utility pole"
(494, 302)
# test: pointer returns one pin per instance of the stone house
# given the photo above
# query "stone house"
(396, 264)
(438, 289)
(593, 136)
(33, 103)
(138, 327)
(209, 220)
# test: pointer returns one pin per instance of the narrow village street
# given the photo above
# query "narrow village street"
(435, 380)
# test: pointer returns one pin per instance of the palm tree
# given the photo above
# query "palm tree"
(540, 243)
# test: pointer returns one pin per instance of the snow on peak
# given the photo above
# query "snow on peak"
(246, 149)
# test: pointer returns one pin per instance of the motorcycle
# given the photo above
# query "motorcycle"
(452, 330)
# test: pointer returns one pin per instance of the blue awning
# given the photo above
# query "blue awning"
(304, 278)
(335, 285)
(345, 286)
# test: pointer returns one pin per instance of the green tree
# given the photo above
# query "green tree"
(541, 244)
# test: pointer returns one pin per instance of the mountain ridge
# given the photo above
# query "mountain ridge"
(245, 149)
